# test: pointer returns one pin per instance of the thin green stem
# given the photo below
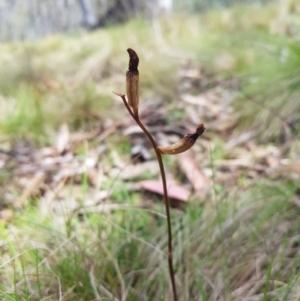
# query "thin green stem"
(166, 198)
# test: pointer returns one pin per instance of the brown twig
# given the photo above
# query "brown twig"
(166, 199)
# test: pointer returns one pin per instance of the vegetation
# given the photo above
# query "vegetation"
(80, 236)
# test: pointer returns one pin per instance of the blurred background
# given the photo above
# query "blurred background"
(81, 205)
(32, 19)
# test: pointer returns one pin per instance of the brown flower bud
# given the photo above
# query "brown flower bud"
(184, 144)
(132, 81)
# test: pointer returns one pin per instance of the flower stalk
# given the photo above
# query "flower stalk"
(132, 106)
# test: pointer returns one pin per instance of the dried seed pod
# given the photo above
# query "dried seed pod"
(184, 144)
(132, 81)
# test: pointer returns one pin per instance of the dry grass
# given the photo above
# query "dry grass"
(244, 247)
(240, 243)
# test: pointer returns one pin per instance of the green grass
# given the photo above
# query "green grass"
(78, 73)
(125, 250)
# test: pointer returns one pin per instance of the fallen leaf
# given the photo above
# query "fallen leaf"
(240, 139)
(199, 100)
(62, 140)
(193, 171)
(174, 191)
(132, 129)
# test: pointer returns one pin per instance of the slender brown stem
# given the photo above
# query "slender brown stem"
(166, 198)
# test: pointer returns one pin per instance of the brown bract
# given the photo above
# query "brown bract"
(132, 81)
(133, 60)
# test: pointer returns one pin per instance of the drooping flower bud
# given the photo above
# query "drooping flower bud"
(132, 81)
(184, 144)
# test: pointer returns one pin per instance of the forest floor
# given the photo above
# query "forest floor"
(81, 205)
